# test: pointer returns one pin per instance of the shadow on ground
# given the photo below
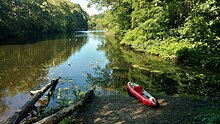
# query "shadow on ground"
(117, 109)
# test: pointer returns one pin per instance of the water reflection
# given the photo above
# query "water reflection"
(155, 74)
(72, 57)
(24, 66)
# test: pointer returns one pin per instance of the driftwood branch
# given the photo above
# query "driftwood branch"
(21, 113)
(59, 116)
(42, 105)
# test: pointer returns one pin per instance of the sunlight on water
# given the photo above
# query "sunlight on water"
(90, 58)
(29, 66)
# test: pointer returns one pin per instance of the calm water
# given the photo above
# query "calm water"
(29, 66)
(24, 67)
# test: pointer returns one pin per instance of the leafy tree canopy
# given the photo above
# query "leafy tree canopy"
(22, 17)
(183, 30)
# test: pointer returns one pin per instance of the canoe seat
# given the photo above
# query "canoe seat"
(138, 89)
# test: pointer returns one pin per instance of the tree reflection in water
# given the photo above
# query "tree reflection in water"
(155, 74)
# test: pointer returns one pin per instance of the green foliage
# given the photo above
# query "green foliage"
(117, 18)
(103, 76)
(201, 29)
(157, 75)
(64, 97)
(22, 17)
(210, 116)
(95, 22)
(67, 96)
(184, 30)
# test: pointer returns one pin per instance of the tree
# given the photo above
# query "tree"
(22, 17)
(171, 29)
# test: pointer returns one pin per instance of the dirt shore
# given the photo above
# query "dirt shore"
(118, 109)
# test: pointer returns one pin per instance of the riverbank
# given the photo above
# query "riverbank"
(189, 36)
(38, 20)
(120, 109)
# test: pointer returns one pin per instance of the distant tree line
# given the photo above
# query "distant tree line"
(95, 21)
(184, 30)
(28, 17)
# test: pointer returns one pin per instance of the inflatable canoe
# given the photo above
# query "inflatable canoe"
(141, 94)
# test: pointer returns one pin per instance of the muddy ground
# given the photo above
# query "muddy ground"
(119, 109)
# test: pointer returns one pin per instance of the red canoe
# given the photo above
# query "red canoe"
(145, 97)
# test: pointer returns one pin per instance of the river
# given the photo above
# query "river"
(85, 58)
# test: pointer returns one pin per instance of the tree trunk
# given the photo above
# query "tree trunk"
(21, 113)
(59, 116)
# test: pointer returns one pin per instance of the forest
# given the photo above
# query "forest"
(183, 32)
(186, 31)
(33, 17)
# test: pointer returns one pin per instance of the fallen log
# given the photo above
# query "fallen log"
(59, 116)
(42, 105)
(21, 113)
